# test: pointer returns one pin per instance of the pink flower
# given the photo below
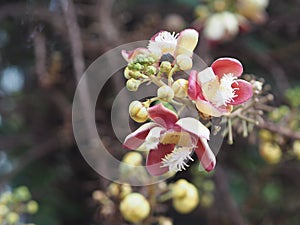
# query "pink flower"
(171, 141)
(216, 89)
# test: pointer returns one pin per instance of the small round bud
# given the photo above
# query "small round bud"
(296, 149)
(208, 185)
(133, 158)
(32, 207)
(265, 135)
(99, 196)
(127, 73)
(6, 198)
(125, 190)
(257, 86)
(270, 152)
(135, 208)
(202, 12)
(184, 62)
(133, 84)
(12, 218)
(3, 210)
(138, 112)
(179, 188)
(165, 93)
(22, 193)
(151, 70)
(207, 200)
(165, 66)
(113, 190)
(180, 88)
(138, 66)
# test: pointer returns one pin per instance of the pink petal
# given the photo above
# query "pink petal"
(137, 138)
(129, 55)
(227, 65)
(194, 127)
(244, 93)
(194, 90)
(205, 155)
(209, 109)
(162, 116)
(154, 159)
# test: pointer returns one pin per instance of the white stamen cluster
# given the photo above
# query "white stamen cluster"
(226, 93)
(176, 161)
(165, 42)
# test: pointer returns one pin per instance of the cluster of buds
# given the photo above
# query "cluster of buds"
(214, 92)
(221, 20)
(13, 204)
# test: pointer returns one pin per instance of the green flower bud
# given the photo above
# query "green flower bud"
(271, 153)
(138, 66)
(3, 210)
(165, 66)
(207, 200)
(12, 218)
(133, 84)
(22, 193)
(32, 207)
(151, 70)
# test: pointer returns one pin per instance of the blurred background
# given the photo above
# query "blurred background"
(46, 45)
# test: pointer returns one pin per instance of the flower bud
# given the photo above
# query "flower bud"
(133, 84)
(151, 70)
(133, 158)
(165, 93)
(138, 66)
(207, 200)
(127, 73)
(22, 193)
(135, 208)
(125, 190)
(189, 201)
(180, 88)
(32, 207)
(184, 62)
(265, 135)
(12, 218)
(138, 112)
(179, 188)
(257, 86)
(113, 190)
(165, 66)
(296, 149)
(270, 152)
(202, 12)
(3, 210)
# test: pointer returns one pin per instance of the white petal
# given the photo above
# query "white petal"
(194, 126)
(152, 139)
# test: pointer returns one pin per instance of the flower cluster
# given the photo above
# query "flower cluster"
(221, 20)
(214, 91)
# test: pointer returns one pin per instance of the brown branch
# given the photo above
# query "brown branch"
(231, 206)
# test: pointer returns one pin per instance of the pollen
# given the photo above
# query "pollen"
(226, 93)
(179, 138)
(177, 160)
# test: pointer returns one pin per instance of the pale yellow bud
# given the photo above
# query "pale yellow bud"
(32, 207)
(265, 135)
(184, 62)
(296, 149)
(188, 202)
(270, 152)
(165, 66)
(257, 86)
(179, 188)
(113, 190)
(125, 190)
(127, 73)
(12, 218)
(253, 9)
(133, 84)
(3, 210)
(180, 88)
(138, 112)
(165, 221)
(165, 93)
(207, 200)
(187, 41)
(133, 158)
(135, 208)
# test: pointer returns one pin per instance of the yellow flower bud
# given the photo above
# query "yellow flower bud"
(207, 200)
(138, 112)
(135, 208)
(165, 93)
(265, 135)
(202, 12)
(270, 152)
(184, 62)
(188, 202)
(253, 9)
(127, 73)
(164, 221)
(113, 190)
(3, 210)
(22, 193)
(12, 218)
(32, 207)
(133, 158)
(187, 42)
(133, 84)
(180, 88)
(6, 197)
(179, 188)
(165, 66)
(125, 190)
(296, 149)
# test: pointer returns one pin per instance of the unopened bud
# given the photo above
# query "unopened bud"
(133, 84)
(133, 158)
(165, 66)
(138, 112)
(180, 88)
(270, 152)
(151, 70)
(184, 62)
(296, 149)
(127, 73)
(165, 93)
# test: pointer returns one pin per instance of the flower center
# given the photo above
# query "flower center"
(176, 161)
(164, 42)
(179, 138)
(225, 94)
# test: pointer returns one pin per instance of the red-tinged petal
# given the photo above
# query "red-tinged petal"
(194, 127)
(205, 155)
(155, 35)
(194, 90)
(137, 138)
(227, 65)
(209, 109)
(129, 55)
(154, 159)
(244, 92)
(162, 116)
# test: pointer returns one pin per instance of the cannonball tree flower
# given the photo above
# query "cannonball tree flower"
(171, 141)
(217, 88)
